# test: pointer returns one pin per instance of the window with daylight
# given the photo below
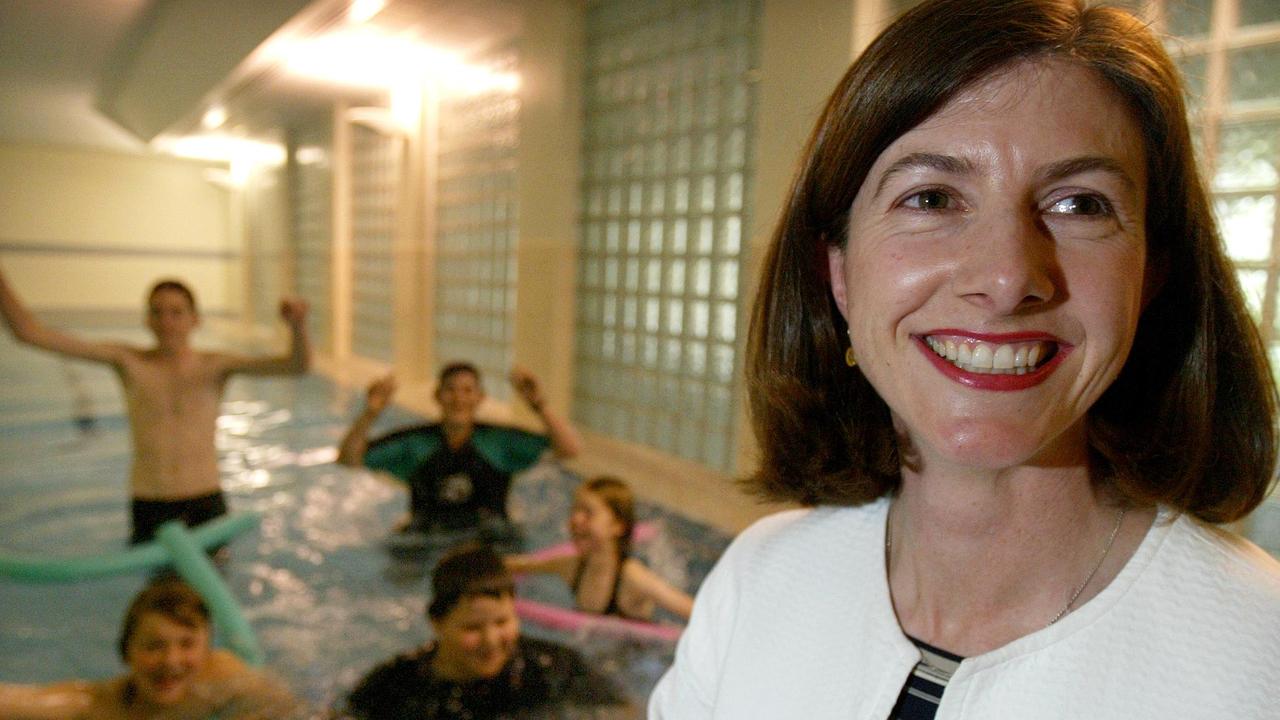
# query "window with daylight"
(669, 99)
(476, 238)
(375, 183)
(311, 193)
(1229, 51)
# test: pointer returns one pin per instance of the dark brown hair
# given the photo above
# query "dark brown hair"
(169, 596)
(1190, 420)
(172, 285)
(468, 570)
(454, 368)
(617, 496)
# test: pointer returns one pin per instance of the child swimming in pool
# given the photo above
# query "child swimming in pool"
(605, 578)
(172, 672)
(172, 394)
(458, 470)
(479, 665)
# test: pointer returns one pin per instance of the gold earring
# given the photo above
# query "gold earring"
(849, 358)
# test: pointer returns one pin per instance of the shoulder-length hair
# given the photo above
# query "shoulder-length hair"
(1189, 422)
(617, 496)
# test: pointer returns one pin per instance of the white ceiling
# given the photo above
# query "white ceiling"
(56, 56)
(52, 56)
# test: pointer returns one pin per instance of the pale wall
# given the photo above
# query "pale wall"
(84, 229)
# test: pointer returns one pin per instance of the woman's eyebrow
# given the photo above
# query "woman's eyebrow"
(1087, 163)
(935, 161)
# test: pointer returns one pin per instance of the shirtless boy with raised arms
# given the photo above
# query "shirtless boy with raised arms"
(172, 392)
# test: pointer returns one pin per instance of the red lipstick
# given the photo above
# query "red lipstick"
(992, 381)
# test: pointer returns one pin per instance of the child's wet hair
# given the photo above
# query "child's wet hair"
(468, 570)
(617, 496)
(173, 285)
(169, 596)
(454, 368)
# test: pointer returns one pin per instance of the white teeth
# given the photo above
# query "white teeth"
(985, 358)
(1003, 359)
(982, 357)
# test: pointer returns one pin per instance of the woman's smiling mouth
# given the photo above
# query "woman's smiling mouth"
(978, 356)
(997, 362)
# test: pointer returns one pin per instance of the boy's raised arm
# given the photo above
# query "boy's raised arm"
(356, 441)
(295, 362)
(565, 442)
(28, 329)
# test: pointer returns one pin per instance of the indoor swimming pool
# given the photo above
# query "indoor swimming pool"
(315, 579)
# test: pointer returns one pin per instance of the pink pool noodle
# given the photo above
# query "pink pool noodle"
(558, 618)
(642, 532)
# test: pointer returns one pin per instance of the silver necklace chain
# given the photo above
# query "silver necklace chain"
(1111, 540)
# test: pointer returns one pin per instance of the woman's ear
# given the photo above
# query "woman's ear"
(835, 274)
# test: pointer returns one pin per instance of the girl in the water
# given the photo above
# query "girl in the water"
(605, 578)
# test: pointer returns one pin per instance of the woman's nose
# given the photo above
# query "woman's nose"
(1008, 263)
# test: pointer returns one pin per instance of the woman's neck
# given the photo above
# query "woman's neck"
(978, 559)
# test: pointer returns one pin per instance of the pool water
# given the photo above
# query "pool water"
(326, 598)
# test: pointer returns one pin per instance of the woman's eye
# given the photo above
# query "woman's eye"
(1081, 205)
(928, 200)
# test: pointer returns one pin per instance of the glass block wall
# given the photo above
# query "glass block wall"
(1236, 115)
(667, 174)
(375, 183)
(266, 264)
(476, 229)
(311, 221)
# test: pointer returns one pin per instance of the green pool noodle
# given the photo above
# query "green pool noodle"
(147, 556)
(191, 562)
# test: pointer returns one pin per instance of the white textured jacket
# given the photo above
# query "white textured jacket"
(796, 622)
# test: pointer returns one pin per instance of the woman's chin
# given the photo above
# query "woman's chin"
(997, 446)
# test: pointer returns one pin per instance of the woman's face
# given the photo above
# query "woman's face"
(476, 638)
(592, 525)
(165, 657)
(995, 268)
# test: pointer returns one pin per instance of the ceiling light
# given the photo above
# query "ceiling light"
(220, 147)
(214, 117)
(362, 11)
